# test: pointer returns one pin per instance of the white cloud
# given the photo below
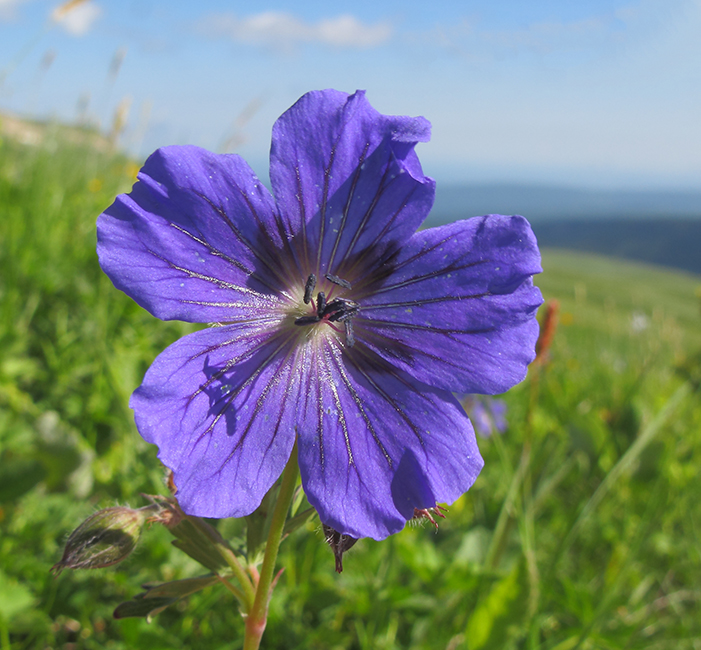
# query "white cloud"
(77, 17)
(283, 30)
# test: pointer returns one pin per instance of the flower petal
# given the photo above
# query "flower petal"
(456, 309)
(347, 181)
(221, 406)
(193, 239)
(374, 445)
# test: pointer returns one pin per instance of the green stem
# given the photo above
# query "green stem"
(240, 596)
(240, 574)
(258, 615)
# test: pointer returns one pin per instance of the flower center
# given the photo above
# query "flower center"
(338, 310)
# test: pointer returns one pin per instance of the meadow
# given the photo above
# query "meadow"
(581, 532)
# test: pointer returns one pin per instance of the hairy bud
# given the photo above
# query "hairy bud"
(103, 539)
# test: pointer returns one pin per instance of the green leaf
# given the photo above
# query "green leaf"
(180, 588)
(504, 606)
(155, 599)
(142, 607)
(14, 597)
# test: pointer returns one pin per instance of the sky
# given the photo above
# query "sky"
(583, 93)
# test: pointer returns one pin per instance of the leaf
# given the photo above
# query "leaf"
(14, 597)
(504, 606)
(143, 607)
(156, 598)
(180, 588)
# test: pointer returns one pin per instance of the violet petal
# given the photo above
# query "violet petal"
(347, 180)
(192, 240)
(221, 406)
(457, 308)
(374, 445)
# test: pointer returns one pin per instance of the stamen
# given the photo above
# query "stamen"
(339, 281)
(307, 320)
(340, 310)
(309, 288)
(320, 303)
(346, 315)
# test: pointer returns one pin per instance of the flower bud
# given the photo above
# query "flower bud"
(103, 539)
(547, 331)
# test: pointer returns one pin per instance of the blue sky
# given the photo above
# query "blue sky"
(588, 93)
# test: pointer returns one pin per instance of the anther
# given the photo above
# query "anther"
(309, 288)
(320, 303)
(340, 309)
(307, 320)
(339, 281)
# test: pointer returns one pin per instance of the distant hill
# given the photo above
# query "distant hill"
(669, 242)
(543, 203)
(658, 227)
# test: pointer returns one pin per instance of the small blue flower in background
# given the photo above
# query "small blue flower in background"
(488, 415)
(341, 325)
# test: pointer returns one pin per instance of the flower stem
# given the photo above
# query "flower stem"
(258, 615)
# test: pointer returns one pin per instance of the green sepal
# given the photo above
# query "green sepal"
(199, 541)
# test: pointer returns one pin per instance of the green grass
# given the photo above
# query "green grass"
(581, 532)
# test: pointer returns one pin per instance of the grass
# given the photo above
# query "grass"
(581, 532)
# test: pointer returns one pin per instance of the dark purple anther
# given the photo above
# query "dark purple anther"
(339, 281)
(307, 320)
(309, 288)
(320, 303)
(340, 309)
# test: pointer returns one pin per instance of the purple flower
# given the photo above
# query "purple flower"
(341, 325)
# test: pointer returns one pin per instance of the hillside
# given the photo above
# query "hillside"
(581, 530)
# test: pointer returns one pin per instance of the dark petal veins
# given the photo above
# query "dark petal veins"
(195, 239)
(458, 309)
(374, 444)
(221, 406)
(347, 180)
